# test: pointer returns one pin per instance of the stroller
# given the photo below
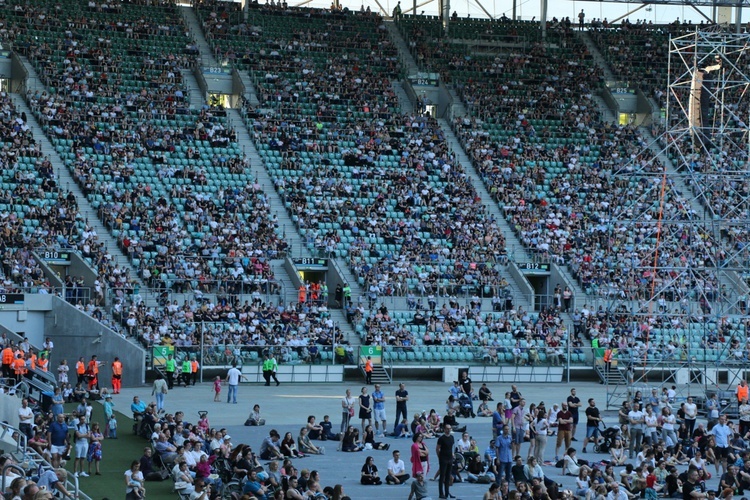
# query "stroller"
(608, 440)
(464, 406)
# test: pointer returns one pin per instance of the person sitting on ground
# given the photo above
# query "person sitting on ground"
(370, 440)
(350, 441)
(314, 430)
(254, 418)
(402, 429)
(396, 470)
(269, 448)
(327, 426)
(306, 445)
(288, 447)
(369, 475)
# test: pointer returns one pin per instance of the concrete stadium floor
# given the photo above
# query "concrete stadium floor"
(287, 406)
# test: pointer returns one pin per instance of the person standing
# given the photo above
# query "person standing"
(402, 396)
(159, 390)
(743, 392)
(581, 19)
(691, 413)
(233, 381)
(518, 420)
(515, 397)
(722, 433)
(574, 403)
(365, 409)
(347, 411)
(444, 450)
(57, 437)
(81, 370)
(116, 376)
(194, 366)
(169, 367)
(592, 424)
(93, 370)
(82, 435)
(378, 399)
(564, 424)
(467, 389)
(94, 453)
(712, 409)
(26, 419)
(368, 370)
(744, 417)
(7, 358)
(186, 371)
(637, 419)
(504, 447)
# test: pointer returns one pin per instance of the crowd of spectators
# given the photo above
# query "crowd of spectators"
(116, 135)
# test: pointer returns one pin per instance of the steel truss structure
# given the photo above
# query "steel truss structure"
(683, 214)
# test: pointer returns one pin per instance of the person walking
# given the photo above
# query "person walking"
(274, 365)
(444, 451)
(159, 390)
(402, 396)
(592, 424)
(267, 369)
(233, 381)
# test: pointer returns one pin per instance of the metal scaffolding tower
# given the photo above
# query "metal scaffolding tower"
(681, 216)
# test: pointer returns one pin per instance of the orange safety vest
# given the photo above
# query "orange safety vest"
(80, 368)
(32, 361)
(302, 296)
(19, 366)
(742, 392)
(7, 356)
(116, 368)
(42, 364)
(368, 366)
(608, 355)
(94, 367)
(194, 366)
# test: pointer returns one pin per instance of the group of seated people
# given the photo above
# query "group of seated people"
(200, 458)
(305, 328)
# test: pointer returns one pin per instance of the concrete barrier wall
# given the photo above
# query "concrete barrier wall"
(76, 334)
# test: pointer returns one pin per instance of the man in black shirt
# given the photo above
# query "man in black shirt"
(573, 404)
(692, 489)
(444, 450)
(673, 483)
(467, 389)
(402, 396)
(592, 424)
(515, 396)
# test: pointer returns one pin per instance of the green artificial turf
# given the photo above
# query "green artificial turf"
(117, 454)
